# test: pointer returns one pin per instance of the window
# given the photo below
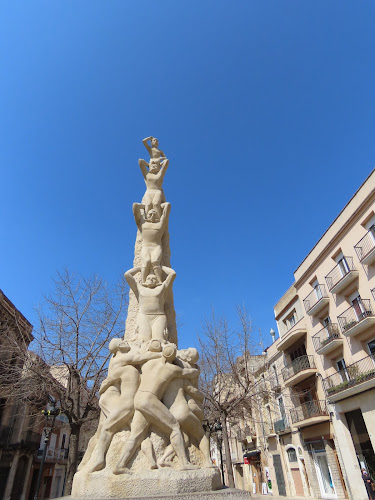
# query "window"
(292, 455)
(343, 266)
(341, 368)
(371, 347)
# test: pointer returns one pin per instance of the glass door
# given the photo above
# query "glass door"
(327, 488)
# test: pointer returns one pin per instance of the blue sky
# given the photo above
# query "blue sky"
(265, 109)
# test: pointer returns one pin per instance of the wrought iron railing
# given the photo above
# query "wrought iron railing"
(366, 244)
(309, 409)
(314, 297)
(339, 272)
(281, 425)
(352, 375)
(325, 336)
(296, 366)
(274, 381)
(355, 314)
(5, 433)
(30, 439)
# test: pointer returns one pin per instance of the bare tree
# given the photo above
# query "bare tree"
(69, 354)
(226, 376)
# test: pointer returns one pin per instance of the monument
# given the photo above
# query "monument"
(150, 440)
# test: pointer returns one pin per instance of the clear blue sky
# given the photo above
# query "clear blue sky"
(266, 110)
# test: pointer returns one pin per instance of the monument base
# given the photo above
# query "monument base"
(147, 483)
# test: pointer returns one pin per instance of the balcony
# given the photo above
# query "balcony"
(328, 339)
(5, 433)
(316, 301)
(358, 319)
(292, 335)
(312, 412)
(342, 275)
(274, 382)
(300, 369)
(355, 378)
(365, 248)
(281, 426)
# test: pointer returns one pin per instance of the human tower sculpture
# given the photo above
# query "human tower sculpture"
(151, 408)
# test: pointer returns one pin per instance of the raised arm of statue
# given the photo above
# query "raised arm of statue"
(189, 372)
(129, 276)
(137, 214)
(165, 214)
(163, 169)
(193, 391)
(143, 166)
(171, 274)
(146, 145)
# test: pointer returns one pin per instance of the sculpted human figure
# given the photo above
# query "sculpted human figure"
(152, 229)
(123, 379)
(174, 399)
(155, 379)
(151, 296)
(153, 174)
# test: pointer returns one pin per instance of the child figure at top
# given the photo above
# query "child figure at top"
(153, 173)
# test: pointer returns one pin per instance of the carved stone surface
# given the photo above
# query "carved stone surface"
(150, 439)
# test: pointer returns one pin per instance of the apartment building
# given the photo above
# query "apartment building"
(322, 366)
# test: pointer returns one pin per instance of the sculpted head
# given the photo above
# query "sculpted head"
(154, 346)
(189, 355)
(118, 345)
(152, 215)
(153, 166)
(151, 281)
(154, 142)
(170, 352)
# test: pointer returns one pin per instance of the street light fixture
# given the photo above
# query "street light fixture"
(47, 435)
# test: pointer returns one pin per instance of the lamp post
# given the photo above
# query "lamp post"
(47, 434)
(219, 438)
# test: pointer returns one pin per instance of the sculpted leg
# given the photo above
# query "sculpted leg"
(146, 261)
(116, 420)
(156, 202)
(158, 414)
(156, 255)
(138, 433)
(92, 443)
(148, 451)
(159, 325)
(144, 327)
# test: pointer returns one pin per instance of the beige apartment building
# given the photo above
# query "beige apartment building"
(320, 372)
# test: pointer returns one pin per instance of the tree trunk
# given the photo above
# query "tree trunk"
(228, 459)
(73, 457)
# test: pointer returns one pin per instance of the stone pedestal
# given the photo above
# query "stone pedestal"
(146, 484)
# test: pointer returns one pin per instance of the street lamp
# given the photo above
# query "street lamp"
(47, 434)
(219, 438)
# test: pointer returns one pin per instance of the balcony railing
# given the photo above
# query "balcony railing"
(274, 382)
(354, 315)
(365, 248)
(30, 439)
(5, 433)
(281, 425)
(296, 366)
(309, 410)
(338, 273)
(325, 336)
(316, 296)
(352, 375)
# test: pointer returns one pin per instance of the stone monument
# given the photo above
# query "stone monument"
(150, 440)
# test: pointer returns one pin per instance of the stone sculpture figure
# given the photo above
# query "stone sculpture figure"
(153, 173)
(150, 400)
(174, 399)
(152, 230)
(151, 296)
(124, 377)
(156, 377)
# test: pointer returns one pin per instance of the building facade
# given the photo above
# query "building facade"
(321, 369)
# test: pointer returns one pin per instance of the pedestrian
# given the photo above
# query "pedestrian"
(368, 483)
